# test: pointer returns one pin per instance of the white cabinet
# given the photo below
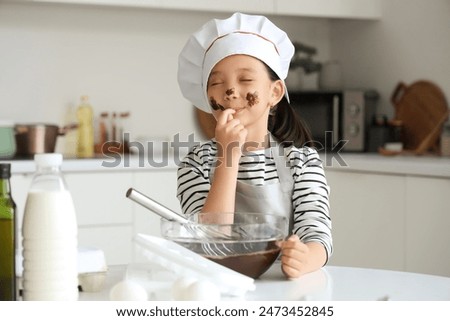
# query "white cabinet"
(261, 6)
(116, 241)
(99, 198)
(428, 225)
(160, 185)
(355, 9)
(104, 215)
(106, 218)
(367, 214)
(251, 6)
(398, 222)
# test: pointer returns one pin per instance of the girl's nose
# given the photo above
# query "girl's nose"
(230, 93)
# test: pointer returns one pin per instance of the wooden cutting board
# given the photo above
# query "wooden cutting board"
(423, 109)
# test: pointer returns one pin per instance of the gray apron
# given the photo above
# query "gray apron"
(274, 198)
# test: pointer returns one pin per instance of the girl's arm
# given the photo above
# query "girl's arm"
(221, 196)
(312, 223)
(230, 136)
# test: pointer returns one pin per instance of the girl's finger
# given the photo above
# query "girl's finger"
(290, 271)
(224, 116)
(233, 123)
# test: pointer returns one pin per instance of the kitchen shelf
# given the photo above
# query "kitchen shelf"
(350, 9)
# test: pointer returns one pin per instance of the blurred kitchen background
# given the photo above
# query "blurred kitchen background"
(388, 212)
(125, 58)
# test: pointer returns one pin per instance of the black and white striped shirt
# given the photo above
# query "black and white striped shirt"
(310, 198)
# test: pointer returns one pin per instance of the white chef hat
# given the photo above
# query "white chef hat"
(245, 34)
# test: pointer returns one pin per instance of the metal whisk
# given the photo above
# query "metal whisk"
(198, 231)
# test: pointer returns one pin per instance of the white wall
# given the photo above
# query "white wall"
(123, 58)
(126, 59)
(410, 42)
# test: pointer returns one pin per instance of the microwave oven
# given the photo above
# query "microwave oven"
(338, 120)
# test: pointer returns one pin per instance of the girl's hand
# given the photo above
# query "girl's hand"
(294, 257)
(230, 135)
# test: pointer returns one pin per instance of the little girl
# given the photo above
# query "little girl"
(261, 158)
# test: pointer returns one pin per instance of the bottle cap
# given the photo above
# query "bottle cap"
(5, 170)
(48, 159)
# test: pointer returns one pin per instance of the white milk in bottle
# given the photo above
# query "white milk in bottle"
(49, 235)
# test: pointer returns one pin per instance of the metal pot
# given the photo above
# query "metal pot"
(38, 138)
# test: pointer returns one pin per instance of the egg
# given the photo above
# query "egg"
(128, 291)
(202, 290)
(180, 286)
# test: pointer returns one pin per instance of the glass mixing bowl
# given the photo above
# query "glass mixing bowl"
(244, 242)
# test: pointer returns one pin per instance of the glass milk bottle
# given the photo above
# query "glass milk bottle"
(49, 235)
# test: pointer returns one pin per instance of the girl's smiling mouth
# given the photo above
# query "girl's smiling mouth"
(252, 99)
(216, 106)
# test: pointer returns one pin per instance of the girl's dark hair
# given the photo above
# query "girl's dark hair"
(285, 123)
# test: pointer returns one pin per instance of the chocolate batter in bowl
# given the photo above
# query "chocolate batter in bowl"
(253, 246)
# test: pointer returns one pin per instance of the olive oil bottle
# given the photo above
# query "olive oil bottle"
(7, 237)
(85, 117)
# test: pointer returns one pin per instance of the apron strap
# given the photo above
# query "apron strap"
(284, 175)
(282, 165)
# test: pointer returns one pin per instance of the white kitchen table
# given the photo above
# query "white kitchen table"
(329, 283)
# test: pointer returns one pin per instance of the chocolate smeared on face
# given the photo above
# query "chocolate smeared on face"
(252, 98)
(215, 105)
(229, 92)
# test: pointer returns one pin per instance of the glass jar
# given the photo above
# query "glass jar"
(445, 139)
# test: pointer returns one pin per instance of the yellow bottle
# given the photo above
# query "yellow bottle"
(85, 117)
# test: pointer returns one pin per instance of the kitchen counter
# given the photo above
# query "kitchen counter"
(329, 283)
(431, 166)
(117, 162)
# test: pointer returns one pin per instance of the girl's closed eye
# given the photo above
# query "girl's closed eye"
(215, 83)
(214, 80)
(246, 76)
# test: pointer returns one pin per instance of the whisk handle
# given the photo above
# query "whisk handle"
(154, 206)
